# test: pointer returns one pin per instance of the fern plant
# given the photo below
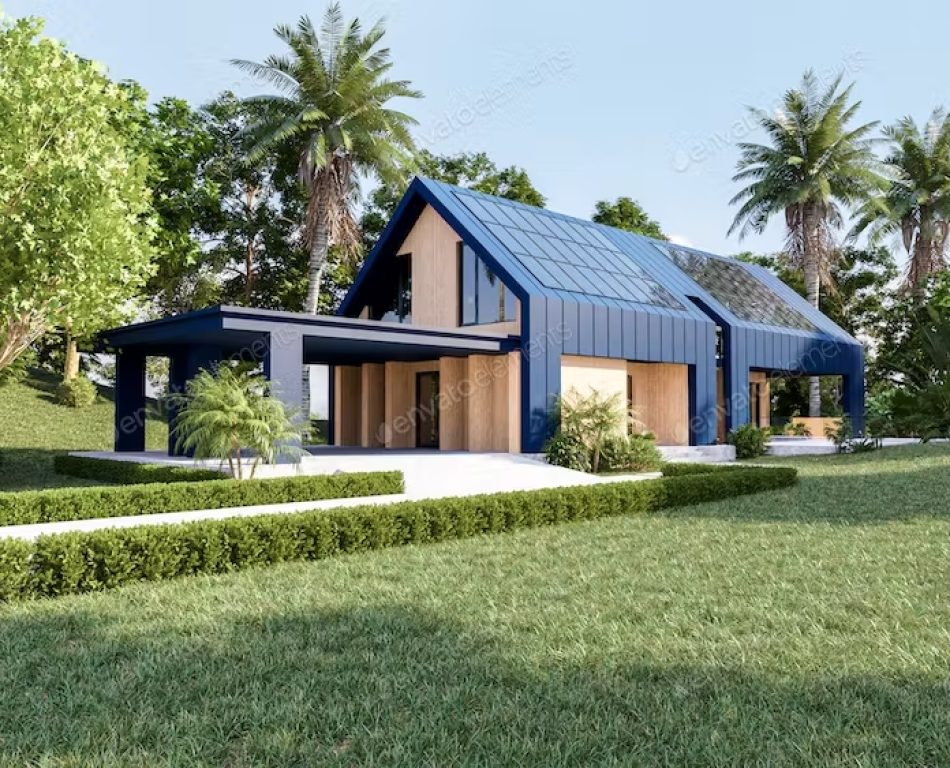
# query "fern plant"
(228, 411)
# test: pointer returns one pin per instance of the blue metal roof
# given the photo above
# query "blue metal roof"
(539, 252)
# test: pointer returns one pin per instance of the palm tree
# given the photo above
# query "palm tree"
(815, 163)
(332, 91)
(916, 202)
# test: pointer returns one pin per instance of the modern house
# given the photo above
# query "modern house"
(473, 313)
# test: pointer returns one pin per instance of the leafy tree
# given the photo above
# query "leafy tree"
(230, 410)
(816, 161)
(180, 145)
(626, 213)
(74, 231)
(472, 170)
(916, 202)
(922, 404)
(331, 107)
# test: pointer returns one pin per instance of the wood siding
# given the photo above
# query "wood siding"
(435, 276)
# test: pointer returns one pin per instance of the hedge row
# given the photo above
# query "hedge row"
(129, 472)
(84, 562)
(25, 507)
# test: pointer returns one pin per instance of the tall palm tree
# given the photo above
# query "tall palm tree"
(916, 201)
(331, 106)
(815, 163)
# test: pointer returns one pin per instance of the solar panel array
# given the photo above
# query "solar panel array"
(734, 287)
(568, 255)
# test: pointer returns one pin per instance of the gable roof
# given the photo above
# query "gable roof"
(543, 253)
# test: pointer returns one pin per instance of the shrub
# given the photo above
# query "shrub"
(17, 371)
(797, 429)
(25, 507)
(566, 449)
(842, 435)
(592, 418)
(224, 412)
(749, 440)
(635, 453)
(129, 472)
(77, 392)
(87, 561)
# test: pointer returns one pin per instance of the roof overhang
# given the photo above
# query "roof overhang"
(326, 339)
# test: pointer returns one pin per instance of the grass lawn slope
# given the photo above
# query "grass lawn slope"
(803, 627)
(33, 428)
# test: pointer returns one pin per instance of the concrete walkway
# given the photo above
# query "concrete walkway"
(428, 475)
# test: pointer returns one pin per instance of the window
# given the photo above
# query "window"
(394, 304)
(483, 297)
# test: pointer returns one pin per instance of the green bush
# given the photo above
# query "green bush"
(17, 371)
(128, 472)
(83, 562)
(749, 441)
(77, 393)
(635, 453)
(566, 449)
(25, 507)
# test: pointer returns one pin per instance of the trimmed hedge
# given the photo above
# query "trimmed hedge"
(25, 507)
(129, 472)
(84, 562)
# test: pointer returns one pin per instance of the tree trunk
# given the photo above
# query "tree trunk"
(318, 260)
(811, 258)
(71, 364)
(248, 272)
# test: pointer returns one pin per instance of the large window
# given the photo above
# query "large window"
(394, 304)
(483, 298)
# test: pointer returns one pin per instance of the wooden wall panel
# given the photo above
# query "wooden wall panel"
(479, 402)
(399, 386)
(435, 281)
(452, 416)
(765, 397)
(661, 400)
(373, 411)
(347, 405)
(584, 375)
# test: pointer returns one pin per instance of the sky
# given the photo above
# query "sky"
(595, 99)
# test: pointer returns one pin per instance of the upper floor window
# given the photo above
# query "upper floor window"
(394, 304)
(483, 297)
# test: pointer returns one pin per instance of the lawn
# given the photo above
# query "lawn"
(802, 627)
(33, 428)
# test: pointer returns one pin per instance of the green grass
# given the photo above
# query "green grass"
(33, 428)
(809, 626)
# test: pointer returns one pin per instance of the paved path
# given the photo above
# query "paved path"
(427, 476)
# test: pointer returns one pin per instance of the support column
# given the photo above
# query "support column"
(129, 401)
(184, 365)
(542, 342)
(736, 372)
(852, 386)
(283, 367)
(703, 394)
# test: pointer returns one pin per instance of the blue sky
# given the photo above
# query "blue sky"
(594, 99)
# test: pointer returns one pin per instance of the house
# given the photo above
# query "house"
(472, 314)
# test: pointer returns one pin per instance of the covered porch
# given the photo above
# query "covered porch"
(375, 367)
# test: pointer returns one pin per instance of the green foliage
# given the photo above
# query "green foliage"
(129, 472)
(915, 203)
(27, 507)
(593, 418)
(566, 449)
(842, 435)
(18, 371)
(331, 108)
(626, 213)
(632, 453)
(750, 441)
(230, 411)
(922, 405)
(77, 392)
(84, 562)
(74, 226)
(797, 429)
